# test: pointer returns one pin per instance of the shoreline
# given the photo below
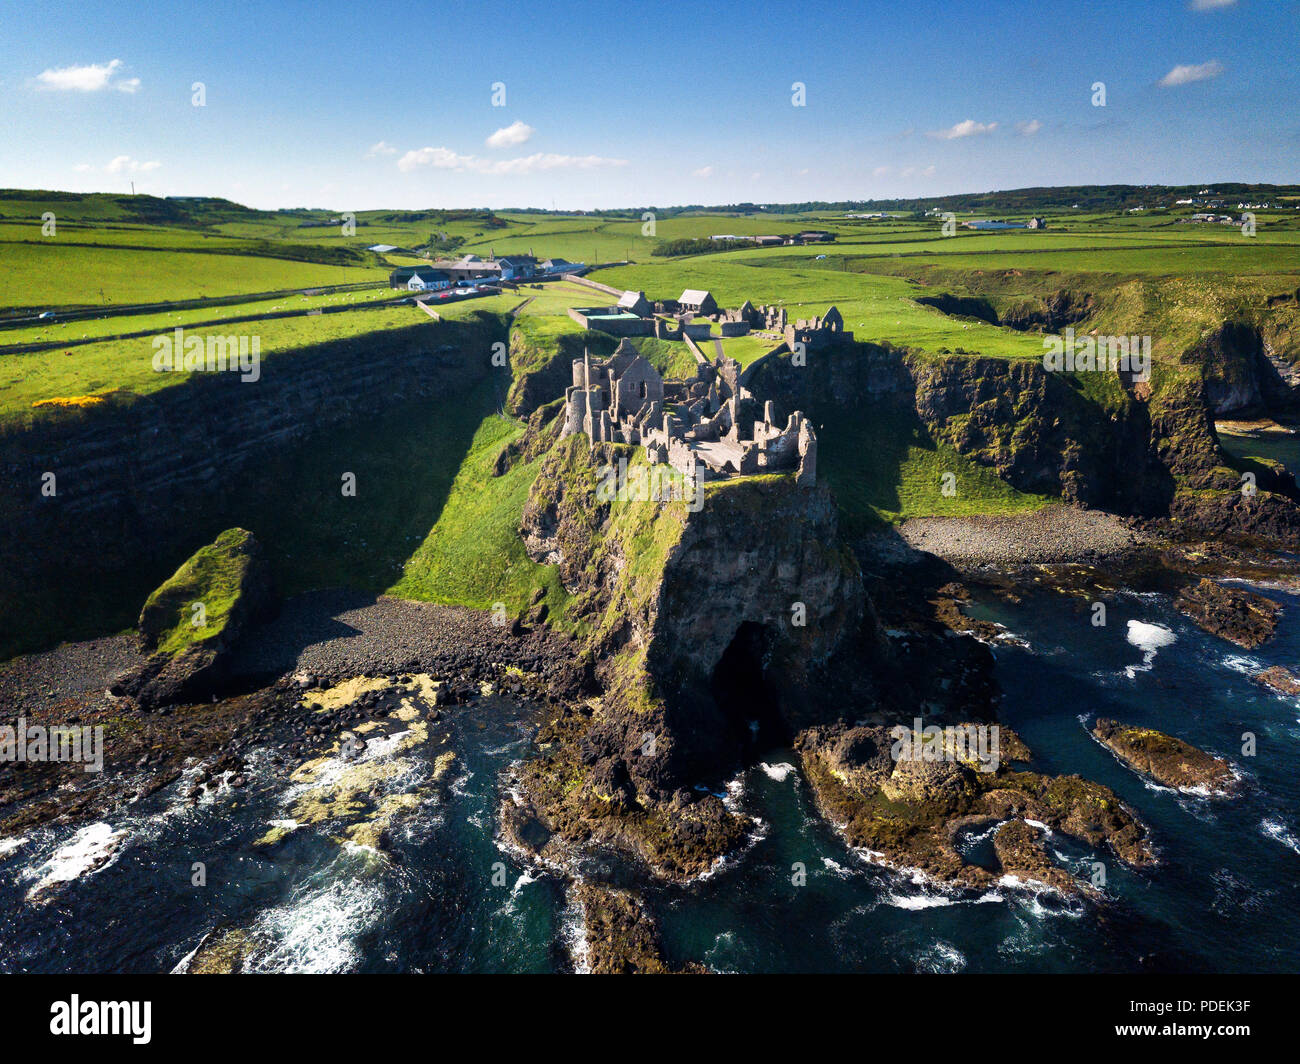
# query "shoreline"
(1053, 535)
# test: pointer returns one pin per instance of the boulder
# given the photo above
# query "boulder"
(190, 623)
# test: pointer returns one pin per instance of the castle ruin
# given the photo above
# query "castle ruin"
(710, 426)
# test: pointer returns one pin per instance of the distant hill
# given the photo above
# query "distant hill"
(1019, 200)
(207, 211)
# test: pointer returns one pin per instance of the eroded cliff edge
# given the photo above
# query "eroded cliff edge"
(1144, 449)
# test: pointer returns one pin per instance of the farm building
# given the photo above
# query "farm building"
(516, 267)
(697, 301)
(427, 279)
(557, 266)
(635, 303)
(401, 276)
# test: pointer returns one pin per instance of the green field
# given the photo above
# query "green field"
(432, 520)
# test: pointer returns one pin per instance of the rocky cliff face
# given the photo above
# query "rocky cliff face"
(128, 469)
(1238, 373)
(701, 628)
(757, 573)
(1146, 452)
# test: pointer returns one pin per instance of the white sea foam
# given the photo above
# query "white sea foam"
(915, 902)
(942, 958)
(836, 868)
(779, 772)
(316, 932)
(1149, 638)
(573, 933)
(9, 845)
(1243, 663)
(90, 850)
(1275, 829)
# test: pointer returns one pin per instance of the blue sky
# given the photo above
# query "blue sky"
(354, 106)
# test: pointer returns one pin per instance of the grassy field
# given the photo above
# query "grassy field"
(95, 369)
(473, 555)
(62, 274)
(431, 520)
(106, 327)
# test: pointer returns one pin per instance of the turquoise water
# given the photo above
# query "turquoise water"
(1284, 449)
(1226, 898)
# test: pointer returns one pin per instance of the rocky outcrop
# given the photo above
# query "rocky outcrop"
(1167, 760)
(619, 934)
(191, 623)
(1232, 613)
(906, 808)
(1237, 371)
(1284, 681)
(701, 625)
(758, 570)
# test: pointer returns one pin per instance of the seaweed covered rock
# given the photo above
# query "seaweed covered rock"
(1022, 853)
(1167, 760)
(620, 936)
(906, 804)
(190, 623)
(1280, 679)
(1232, 613)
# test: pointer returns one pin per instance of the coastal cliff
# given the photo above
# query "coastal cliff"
(138, 476)
(1145, 449)
(703, 627)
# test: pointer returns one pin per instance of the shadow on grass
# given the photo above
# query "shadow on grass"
(883, 465)
(404, 462)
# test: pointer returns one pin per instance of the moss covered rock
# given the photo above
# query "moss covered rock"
(191, 622)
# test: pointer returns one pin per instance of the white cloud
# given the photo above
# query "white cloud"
(703, 171)
(880, 171)
(381, 147)
(1211, 5)
(1185, 74)
(968, 128)
(1028, 129)
(446, 159)
(913, 171)
(124, 164)
(94, 77)
(509, 136)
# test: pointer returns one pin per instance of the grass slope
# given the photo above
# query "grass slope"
(473, 555)
(883, 467)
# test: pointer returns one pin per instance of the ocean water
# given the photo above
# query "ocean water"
(1284, 449)
(1225, 898)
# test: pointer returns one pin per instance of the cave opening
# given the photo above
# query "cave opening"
(743, 694)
